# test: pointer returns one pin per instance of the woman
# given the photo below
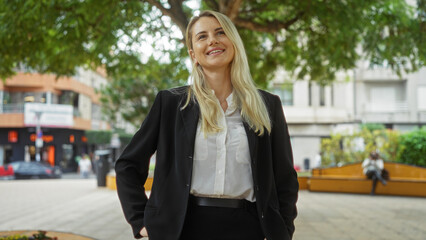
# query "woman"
(372, 168)
(224, 167)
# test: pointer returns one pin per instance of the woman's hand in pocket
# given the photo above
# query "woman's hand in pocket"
(143, 232)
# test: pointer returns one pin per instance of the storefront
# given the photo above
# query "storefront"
(59, 146)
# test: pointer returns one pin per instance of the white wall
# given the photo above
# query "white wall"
(85, 106)
(305, 147)
(351, 97)
(401, 96)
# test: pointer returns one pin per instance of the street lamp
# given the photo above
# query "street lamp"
(39, 136)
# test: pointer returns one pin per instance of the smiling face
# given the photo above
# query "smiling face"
(211, 48)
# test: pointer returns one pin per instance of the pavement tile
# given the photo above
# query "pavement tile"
(79, 206)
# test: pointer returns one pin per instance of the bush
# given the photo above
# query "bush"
(372, 126)
(98, 137)
(350, 148)
(412, 148)
(125, 138)
(333, 151)
(409, 148)
(41, 235)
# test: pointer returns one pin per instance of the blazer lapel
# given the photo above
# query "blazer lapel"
(190, 116)
(252, 141)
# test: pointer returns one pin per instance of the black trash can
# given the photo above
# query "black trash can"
(306, 164)
(102, 166)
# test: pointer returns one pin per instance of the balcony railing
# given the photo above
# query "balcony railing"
(12, 108)
(76, 112)
(391, 107)
(19, 108)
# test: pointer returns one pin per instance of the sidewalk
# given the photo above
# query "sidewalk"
(328, 216)
(79, 206)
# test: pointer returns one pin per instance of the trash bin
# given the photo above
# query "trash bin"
(102, 166)
(306, 163)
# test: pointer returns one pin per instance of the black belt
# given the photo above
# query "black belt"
(219, 202)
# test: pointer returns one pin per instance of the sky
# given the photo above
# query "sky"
(145, 47)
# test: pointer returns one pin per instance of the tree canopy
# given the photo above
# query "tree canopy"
(310, 39)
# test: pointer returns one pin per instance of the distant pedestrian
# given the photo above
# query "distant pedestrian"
(85, 166)
(317, 160)
(372, 168)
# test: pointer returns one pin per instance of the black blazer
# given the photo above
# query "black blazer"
(171, 131)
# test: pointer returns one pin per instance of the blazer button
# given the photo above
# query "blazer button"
(190, 157)
(187, 184)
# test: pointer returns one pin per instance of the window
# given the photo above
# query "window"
(285, 92)
(5, 154)
(69, 98)
(387, 97)
(12, 102)
(421, 98)
(310, 94)
(322, 96)
(96, 112)
(37, 97)
(6, 98)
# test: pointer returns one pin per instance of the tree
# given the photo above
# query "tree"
(138, 84)
(343, 148)
(311, 39)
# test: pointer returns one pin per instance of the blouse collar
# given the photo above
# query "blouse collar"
(232, 106)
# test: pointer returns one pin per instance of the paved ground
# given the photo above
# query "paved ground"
(79, 206)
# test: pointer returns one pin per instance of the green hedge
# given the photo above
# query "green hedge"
(41, 235)
(125, 138)
(393, 146)
(98, 137)
(373, 126)
(413, 148)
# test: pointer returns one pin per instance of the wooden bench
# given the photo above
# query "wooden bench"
(111, 184)
(51, 234)
(405, 180)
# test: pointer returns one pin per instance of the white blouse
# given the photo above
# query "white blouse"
(369, 164)
(221, 166)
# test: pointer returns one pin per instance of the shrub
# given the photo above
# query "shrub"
(98, 137)
(41, 235)
(350, 148)
(333, 151)
(412, 148)
(125, 138)
(372, 126)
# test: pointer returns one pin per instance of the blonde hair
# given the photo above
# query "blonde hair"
(246, 95)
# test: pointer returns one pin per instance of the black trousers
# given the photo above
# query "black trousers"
(375, 175)
(221, 223)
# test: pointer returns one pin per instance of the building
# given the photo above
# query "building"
(363, 95)
(61, 108)
(64, 108)
(312, 113)
(384, 97)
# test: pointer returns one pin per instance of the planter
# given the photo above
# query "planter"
(51, 234)
(111, 184)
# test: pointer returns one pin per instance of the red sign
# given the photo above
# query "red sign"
(13, 136)
(46, 138)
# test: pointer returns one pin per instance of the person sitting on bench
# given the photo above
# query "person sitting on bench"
(372, 168)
